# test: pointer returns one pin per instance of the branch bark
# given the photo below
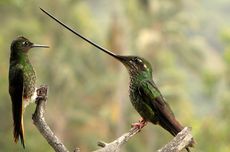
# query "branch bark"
(181, 141)
(115, 146)
(178, 143)
(40, 123)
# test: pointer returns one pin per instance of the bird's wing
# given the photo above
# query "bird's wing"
(16, 93)
(164, 114)
(153, 98)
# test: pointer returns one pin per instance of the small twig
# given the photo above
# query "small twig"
(40, 123)
(116, 145)
(178, 143)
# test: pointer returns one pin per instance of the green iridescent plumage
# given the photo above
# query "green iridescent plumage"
(144, 95)
(22, 81)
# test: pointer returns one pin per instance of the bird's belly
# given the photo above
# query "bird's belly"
(29, 85)
(28, 95)
(28, 90)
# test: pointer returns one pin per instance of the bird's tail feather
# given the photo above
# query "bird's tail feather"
(174, 127)
(18, 125)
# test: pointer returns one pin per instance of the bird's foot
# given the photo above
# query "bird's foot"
(140, 124)
(42, 92)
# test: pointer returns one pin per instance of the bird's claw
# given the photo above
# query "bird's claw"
(140, 124)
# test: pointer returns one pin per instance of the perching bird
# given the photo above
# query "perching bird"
(144, 94)
(22, 81)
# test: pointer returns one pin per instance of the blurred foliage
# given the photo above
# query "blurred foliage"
(187, 42)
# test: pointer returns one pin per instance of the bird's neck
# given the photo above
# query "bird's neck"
(137, 78)
(19, 57)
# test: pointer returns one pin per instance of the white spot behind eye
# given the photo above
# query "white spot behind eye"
(145, 66)
(139, 60)
(23, 43)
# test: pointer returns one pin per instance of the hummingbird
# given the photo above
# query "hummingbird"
(144, 95)
(22, 79)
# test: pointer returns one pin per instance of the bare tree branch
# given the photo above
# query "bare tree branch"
(181, 141)
(116, 145)
(178, 143)
(40, 123)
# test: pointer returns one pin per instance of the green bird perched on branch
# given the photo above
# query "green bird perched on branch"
(144, 94)
(22, 81)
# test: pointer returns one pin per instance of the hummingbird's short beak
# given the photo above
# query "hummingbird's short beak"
(39, 45)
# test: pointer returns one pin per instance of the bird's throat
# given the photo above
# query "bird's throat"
(21, 58)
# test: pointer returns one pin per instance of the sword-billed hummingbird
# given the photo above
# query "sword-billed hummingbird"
(143, 92)
(22, 81)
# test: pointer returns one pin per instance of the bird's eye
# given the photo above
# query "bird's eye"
(137, 60)
(25, 43)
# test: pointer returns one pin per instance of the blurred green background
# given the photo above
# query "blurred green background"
(187, 43)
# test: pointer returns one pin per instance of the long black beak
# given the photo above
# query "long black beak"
(84, 38)
(39, 45)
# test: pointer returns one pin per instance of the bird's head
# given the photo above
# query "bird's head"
(136, 65)
(22, 44)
